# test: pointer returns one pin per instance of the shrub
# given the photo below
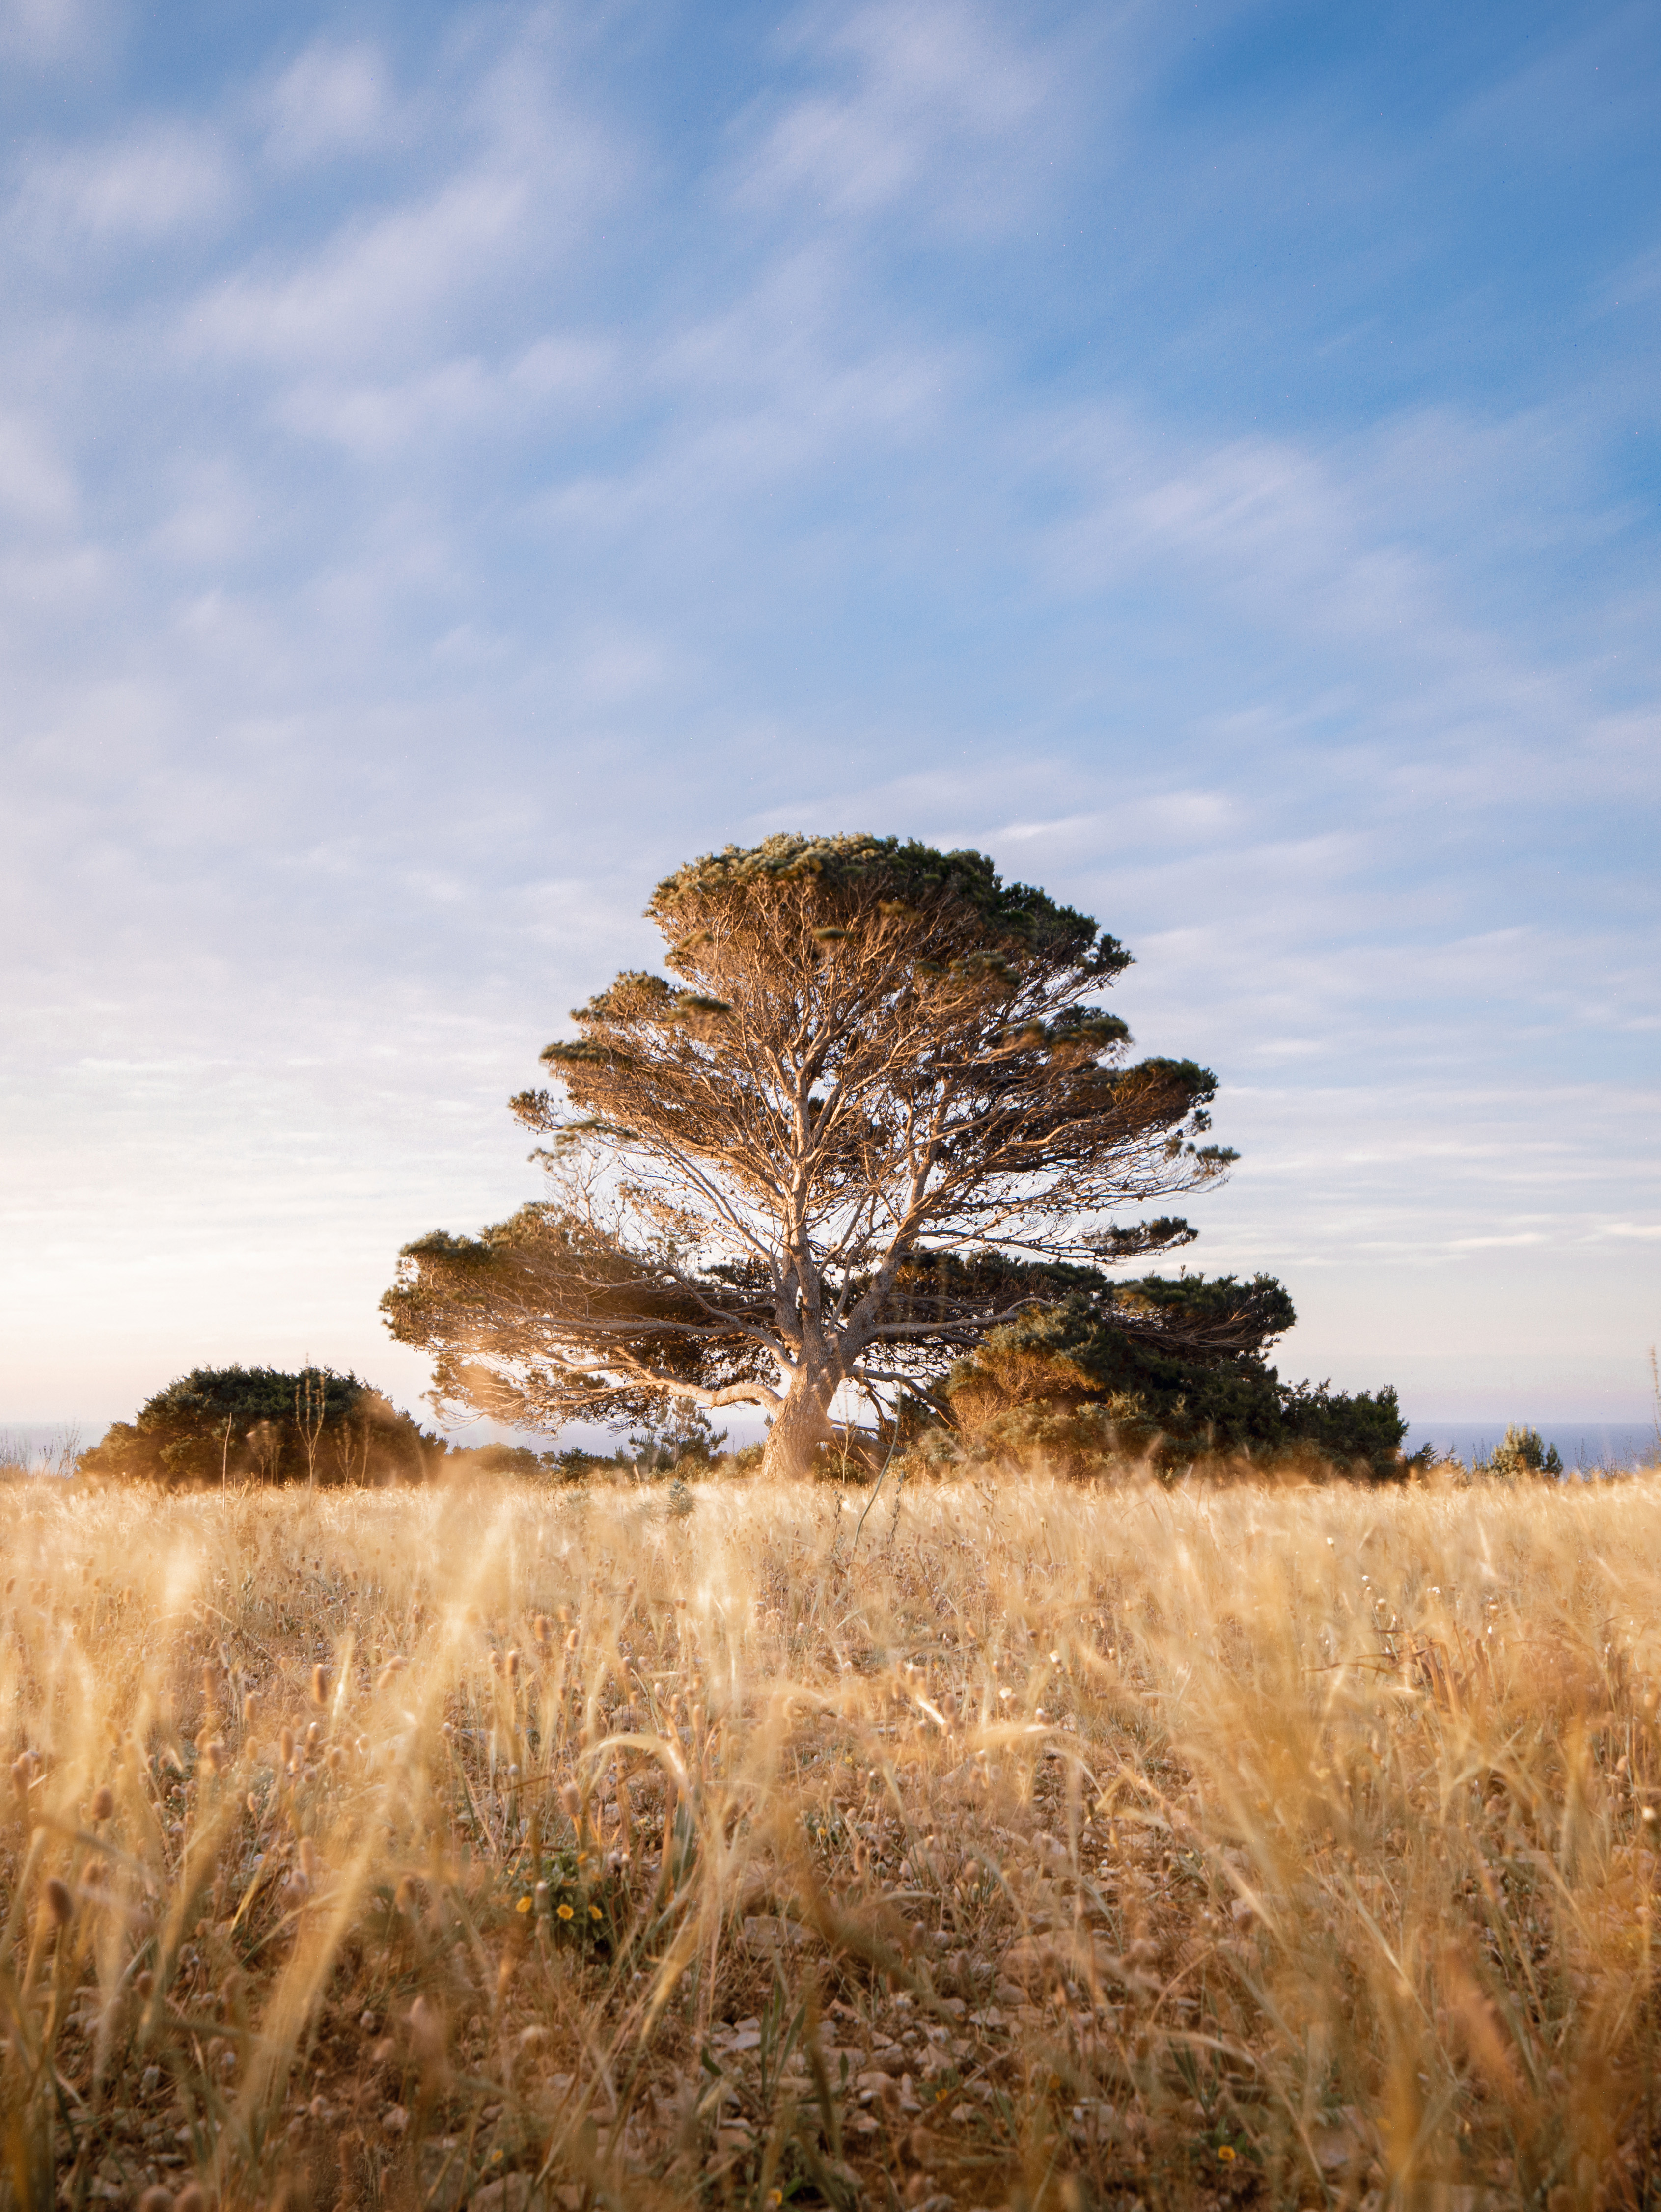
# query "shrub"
(1524, 1452)
(1073, 1386)
(260, 1424)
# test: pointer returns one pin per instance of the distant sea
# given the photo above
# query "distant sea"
(1580, 1444)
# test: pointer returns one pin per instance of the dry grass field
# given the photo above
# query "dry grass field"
(1050, 1847)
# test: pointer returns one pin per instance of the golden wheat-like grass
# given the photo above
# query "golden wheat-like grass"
(1051, 1847)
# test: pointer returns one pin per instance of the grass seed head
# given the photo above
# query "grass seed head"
(103, 1802)
(428, 2040)
(60, 1905)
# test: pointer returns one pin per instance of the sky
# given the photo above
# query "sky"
(459, 462)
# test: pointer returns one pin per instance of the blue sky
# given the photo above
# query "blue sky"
(457, 462)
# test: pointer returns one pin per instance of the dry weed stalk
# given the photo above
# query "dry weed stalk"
(1059, 1847)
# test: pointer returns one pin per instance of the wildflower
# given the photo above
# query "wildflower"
(1226, 2152)
(566, 1913)
(525, 1903)
(594, 1912)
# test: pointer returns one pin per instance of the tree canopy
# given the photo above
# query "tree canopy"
(871, 1108)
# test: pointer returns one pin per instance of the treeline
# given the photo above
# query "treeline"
(1168, 1373)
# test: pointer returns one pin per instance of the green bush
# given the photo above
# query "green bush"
(1086, 1381)
(1523, 1453)
(259, 1423)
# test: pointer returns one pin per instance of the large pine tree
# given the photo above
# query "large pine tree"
(825, 1156)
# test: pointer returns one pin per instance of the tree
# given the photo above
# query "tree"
(220, 1422)
(817, 1159)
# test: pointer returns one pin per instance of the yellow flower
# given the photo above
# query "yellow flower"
(565, 1912)
(524, 1905)
(1226, 2152)
(775, 2197)
(594, 1912)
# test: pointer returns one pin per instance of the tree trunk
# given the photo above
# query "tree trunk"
(800, 1426)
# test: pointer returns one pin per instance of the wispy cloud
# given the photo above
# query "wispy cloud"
(935, 105)
(47, 34)
(336, 99)
(376, 286)
(34, 484)
(139, 189)
(444, 484)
